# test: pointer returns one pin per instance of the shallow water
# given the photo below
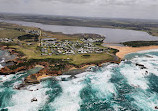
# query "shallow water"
(110, 88)
(112, 35)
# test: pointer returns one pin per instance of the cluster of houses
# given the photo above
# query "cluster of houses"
(92, 40)
(37, 32)
(51, 46)
(6, 40)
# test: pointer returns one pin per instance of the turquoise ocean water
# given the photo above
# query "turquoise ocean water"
(114, 87)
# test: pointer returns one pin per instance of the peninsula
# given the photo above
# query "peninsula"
(55, 53)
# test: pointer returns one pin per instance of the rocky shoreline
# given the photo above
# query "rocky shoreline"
(19, 66)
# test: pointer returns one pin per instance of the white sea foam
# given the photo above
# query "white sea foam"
(135, 76)
(147, 51)
(70, 98)
(1, 66)
(100, 82)
(3, 60)
(150, 63)
(21, 100)
(35, 87)
(145, 100)
(62, 76)
(5, 78)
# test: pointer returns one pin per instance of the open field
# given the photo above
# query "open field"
(10, 33)
(32, 53)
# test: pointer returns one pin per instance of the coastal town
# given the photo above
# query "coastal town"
(48, 45)
(55, 53)
(51, 46)
(6, 40)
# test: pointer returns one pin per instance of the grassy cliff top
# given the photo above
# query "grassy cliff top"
(30, 51)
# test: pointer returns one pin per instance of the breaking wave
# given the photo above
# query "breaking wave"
(131, 85)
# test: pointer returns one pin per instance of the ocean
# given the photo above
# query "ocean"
(131, 85)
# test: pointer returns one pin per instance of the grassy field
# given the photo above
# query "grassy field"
(10, 33)
(60, 36)
(11, 30)
(153, 32)
(140, 43)
(32, 53)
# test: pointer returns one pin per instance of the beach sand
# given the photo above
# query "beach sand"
(42, 77)
(124, 50)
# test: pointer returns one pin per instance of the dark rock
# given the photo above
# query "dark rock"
(18, 87)
(156, 107)
(74, 72)
(33, 100)
(4, 73)
(141, 66)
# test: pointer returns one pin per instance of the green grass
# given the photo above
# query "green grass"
(31, 53)
(10, 33)
(140, 43)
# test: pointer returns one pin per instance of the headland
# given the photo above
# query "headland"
(54, 53)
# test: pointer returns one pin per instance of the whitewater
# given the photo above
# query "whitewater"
(112, 87)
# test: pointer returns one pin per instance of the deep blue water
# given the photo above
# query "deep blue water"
(115, 87)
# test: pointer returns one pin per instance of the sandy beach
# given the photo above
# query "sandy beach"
(42, 77)
(124, 50)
